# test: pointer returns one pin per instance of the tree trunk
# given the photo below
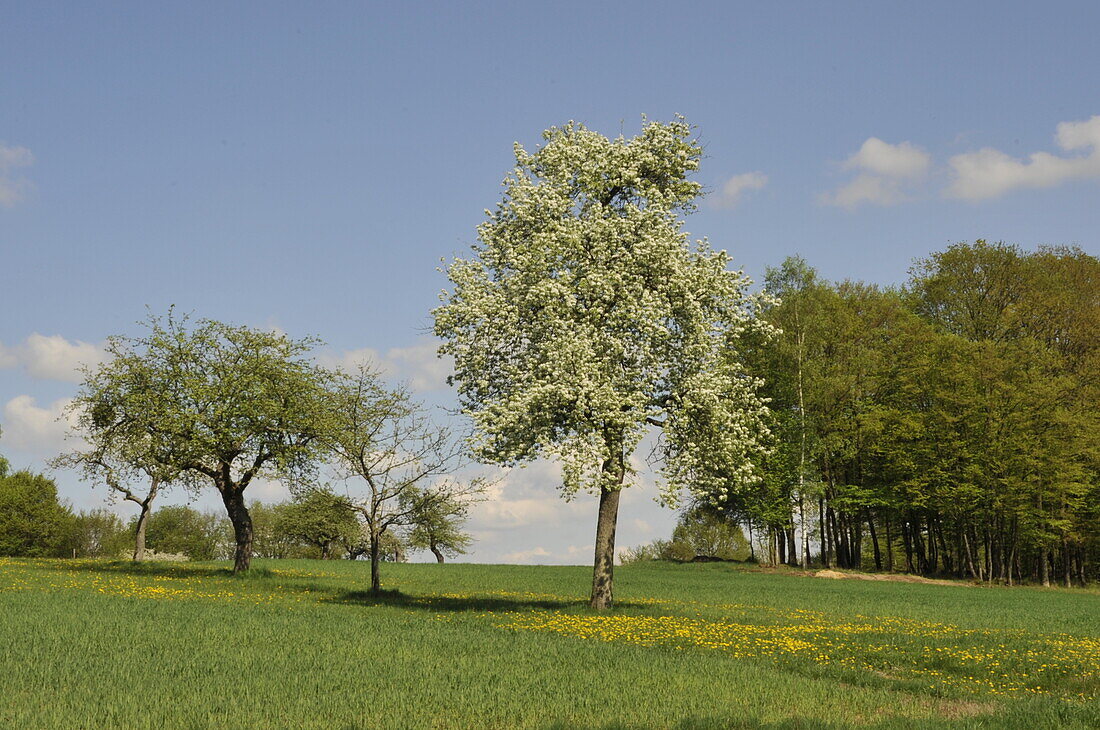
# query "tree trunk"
(603, 570)
(434, 547)
(792, 548)
(375, 559)
(874, 541)
(1044, 566)
(1067, 569)
(233, 498)
(889, 546)
(139, 539)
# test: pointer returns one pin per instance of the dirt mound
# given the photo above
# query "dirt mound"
(895, 577)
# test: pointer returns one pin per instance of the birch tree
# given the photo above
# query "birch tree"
(585, 318)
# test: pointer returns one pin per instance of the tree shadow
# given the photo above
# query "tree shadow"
(468, 603)
(452, 603)
(158, 568)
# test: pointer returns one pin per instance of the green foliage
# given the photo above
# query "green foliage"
(208, 404)
(33, 523)
(437, 526)
(183, 530)
(97, 533)
(656, 550)
(318, 517)
(952, 425)
(702, 531)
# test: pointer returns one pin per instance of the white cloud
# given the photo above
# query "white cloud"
(268, 490)
(902, 160)
(571, 555)
(31, 428)
(12, 187)
(52, 357)
(418, 365)
(885, 172)
(866, 189)
(527, 497)
(734, 188)
(989, 173)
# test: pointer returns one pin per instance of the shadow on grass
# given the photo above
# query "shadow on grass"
(454, 603)
(173, 569)
(472, 603)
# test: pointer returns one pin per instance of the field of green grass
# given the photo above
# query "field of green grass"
(86, 644)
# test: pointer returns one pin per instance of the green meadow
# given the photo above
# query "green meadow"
(93, 644)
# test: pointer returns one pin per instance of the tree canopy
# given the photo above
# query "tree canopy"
(584, 318)
(213, 405)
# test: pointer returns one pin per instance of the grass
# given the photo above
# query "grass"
(300, 644)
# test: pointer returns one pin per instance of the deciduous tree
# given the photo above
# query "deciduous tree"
(584, 318)
(211, 404)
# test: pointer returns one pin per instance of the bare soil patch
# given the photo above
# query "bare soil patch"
(893, 577)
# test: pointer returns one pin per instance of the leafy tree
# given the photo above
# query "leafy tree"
(584, 318)
(183, 530)
(702, 531)
(437, 526)
(98, 533)
(33, 523)
(213, 405)
(388, 443)
(318, 517)
(268, 539)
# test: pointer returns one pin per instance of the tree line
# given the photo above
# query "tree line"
(318, 524)
(949, 426)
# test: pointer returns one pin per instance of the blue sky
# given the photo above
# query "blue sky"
(307, 165)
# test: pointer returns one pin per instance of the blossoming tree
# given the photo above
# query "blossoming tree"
(585, 318)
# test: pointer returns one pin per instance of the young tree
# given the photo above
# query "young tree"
(387, 441)
(584, 318)
(437, 527)
(214, 405)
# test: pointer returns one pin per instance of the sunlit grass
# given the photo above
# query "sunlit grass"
(301, 644)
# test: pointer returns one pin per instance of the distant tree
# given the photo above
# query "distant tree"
(585, 318)
(318, 517)
(702, 532)
(437, 527)
(268, 539)
(393, 547)
(388, 444)
(98, 533)
(212, 405)
(183, 530)
(33, 523)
